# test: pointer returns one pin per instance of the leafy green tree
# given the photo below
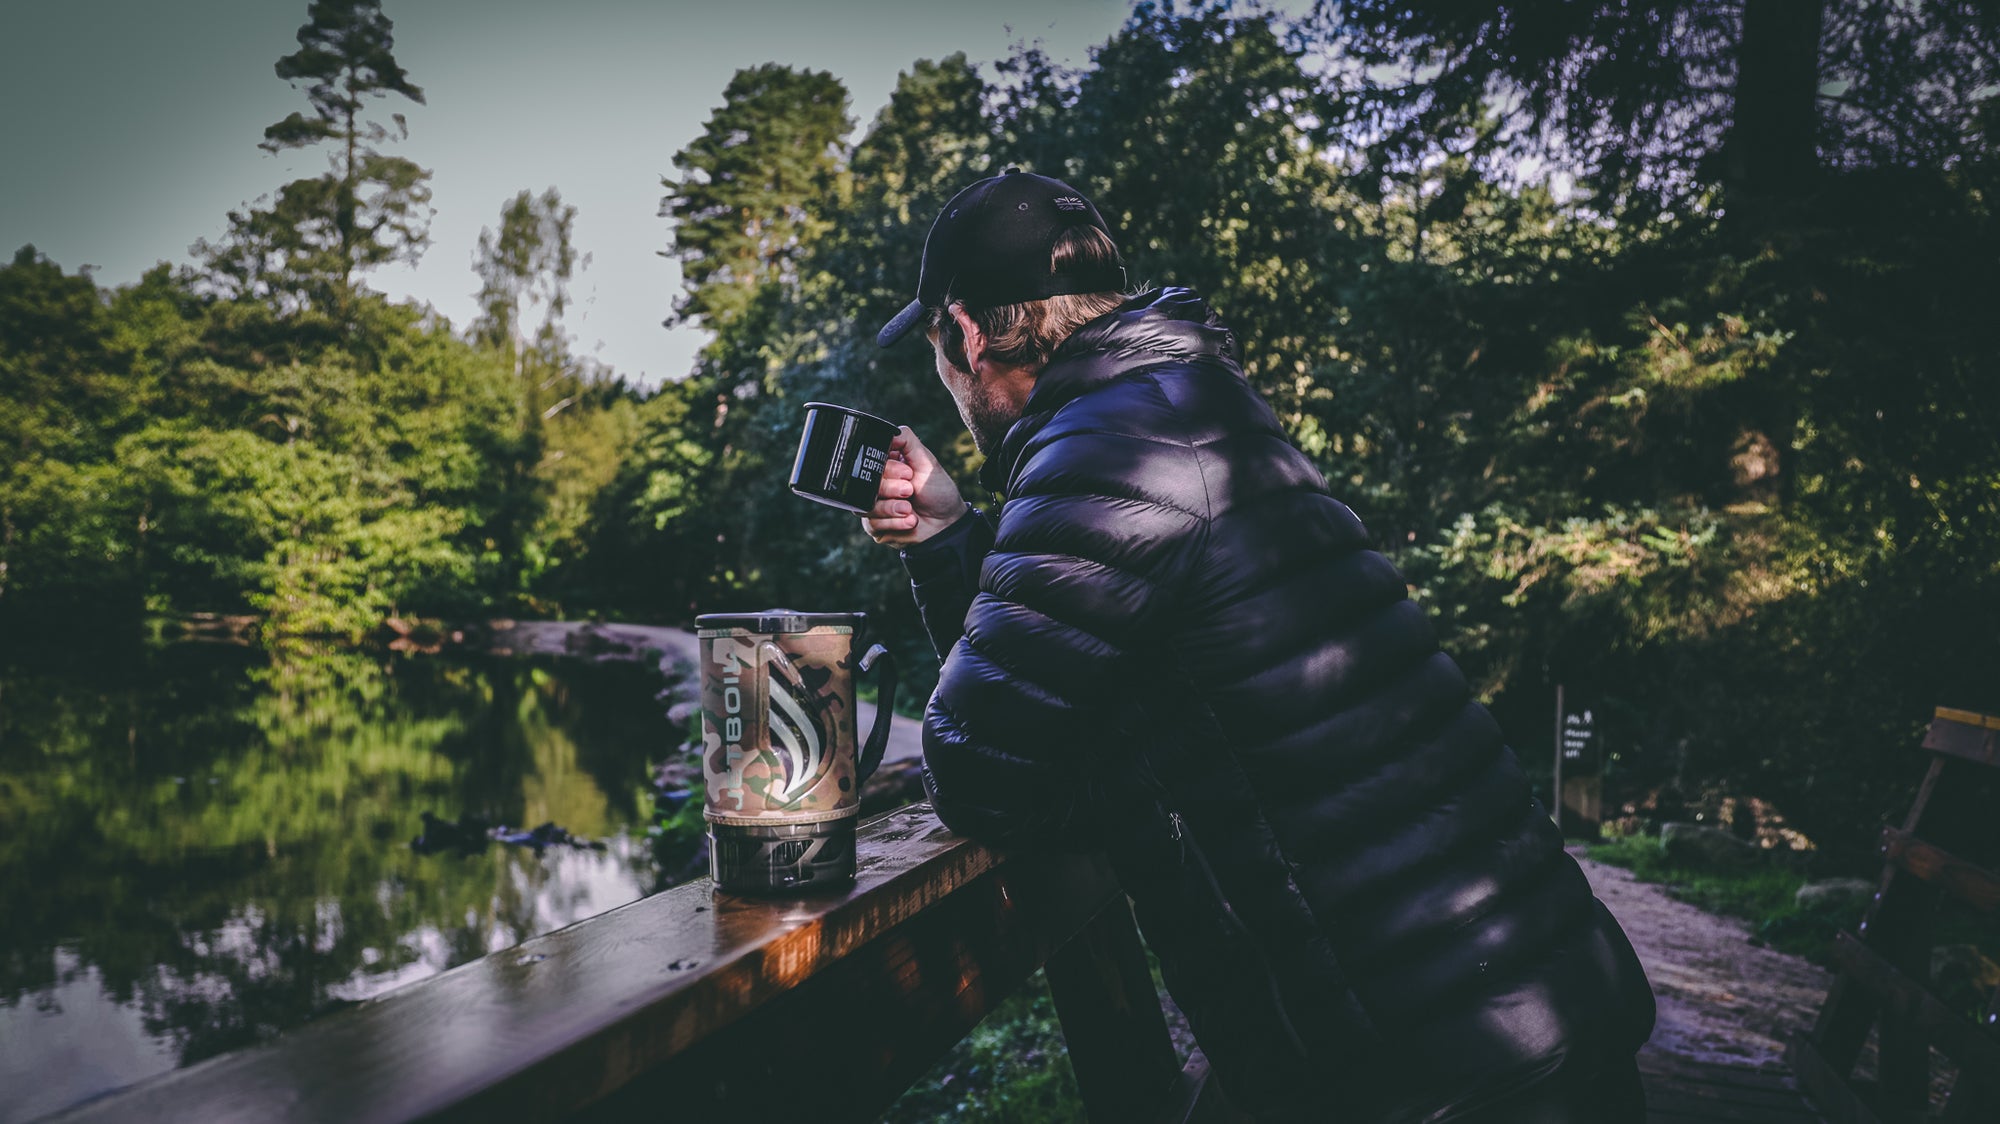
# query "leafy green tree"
(369, 208)
(66, 532)
(741, 207)
(182, 453)
(577, 421)
(530, 259)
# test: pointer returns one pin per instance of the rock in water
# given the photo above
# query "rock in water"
(467, 835)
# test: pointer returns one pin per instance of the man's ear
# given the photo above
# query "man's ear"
(975, 340)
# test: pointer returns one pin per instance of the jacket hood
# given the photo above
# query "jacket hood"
(1158, 326)
(1155, 326)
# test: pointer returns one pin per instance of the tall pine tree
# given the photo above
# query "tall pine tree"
(368, 208)
(741, 209)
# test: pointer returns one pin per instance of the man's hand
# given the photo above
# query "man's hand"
(916, 499)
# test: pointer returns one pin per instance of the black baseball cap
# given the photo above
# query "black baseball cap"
(990, 246)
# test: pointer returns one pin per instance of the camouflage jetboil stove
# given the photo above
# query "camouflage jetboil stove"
(779, 745)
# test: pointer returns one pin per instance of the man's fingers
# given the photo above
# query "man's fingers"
(898, 470)
(891, 509)
(891, 529)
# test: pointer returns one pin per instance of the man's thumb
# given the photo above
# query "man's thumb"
(914, 451)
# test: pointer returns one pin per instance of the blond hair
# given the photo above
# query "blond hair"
(1027, 333)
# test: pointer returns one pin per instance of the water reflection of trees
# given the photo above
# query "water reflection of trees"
(221, 836)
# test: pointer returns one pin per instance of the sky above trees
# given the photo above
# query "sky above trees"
(147, 118)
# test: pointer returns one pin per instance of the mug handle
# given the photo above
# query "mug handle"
(885, 709)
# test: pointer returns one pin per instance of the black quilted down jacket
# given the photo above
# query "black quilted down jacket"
(1174, 644)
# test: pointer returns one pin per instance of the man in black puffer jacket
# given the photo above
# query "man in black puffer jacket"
(1173, 644)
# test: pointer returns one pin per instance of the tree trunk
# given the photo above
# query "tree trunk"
(1772, 150)
(348, 206)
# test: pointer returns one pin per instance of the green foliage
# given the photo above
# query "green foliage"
(1259, 223)
(576, 421)
(200, 460)
(266, 436)
(1012, 1069)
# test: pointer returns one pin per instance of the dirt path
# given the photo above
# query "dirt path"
(1721, 998)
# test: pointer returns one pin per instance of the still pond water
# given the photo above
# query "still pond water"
(203, 845)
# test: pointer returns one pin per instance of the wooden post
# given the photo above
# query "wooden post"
(1111, 1019)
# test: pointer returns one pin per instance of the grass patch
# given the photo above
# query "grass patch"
(1012, 1069)
(1761, 893)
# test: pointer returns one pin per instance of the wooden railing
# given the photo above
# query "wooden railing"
(695, 1005)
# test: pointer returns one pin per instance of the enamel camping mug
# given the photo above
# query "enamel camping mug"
(841, 454)
(779, 751)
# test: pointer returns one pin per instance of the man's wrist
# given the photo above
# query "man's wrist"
(939, 552)
(928, 529)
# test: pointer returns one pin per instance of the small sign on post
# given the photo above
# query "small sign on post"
(1579, 781)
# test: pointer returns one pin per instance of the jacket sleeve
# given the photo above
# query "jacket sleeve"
(944, 575)
(1047, 671)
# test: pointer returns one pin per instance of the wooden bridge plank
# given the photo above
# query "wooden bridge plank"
(1762, 1100)
(624, 991)
(1680, 1089)
(1695, 1105)
(1671, 1067)
(1969, 718)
